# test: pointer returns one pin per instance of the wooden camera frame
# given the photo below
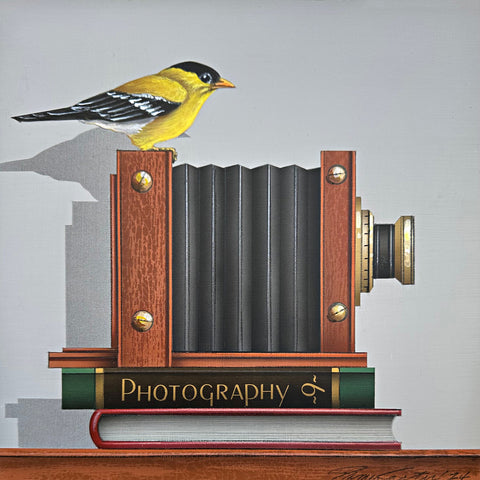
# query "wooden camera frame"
(141, 246)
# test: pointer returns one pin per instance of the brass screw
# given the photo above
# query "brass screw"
(142, 321)
(337, 312)
(336, 174)
(142, 181)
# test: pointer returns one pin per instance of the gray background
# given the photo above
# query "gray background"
(396, 81)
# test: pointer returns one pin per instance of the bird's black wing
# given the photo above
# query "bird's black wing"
(115, 106)
(111, 106)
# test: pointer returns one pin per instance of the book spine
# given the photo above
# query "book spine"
(90, 388)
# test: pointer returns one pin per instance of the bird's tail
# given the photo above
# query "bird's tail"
(61, 114)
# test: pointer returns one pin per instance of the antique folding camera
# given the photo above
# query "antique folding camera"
(232, 286)
(232, 266)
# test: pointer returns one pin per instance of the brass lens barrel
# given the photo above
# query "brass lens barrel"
(383, 250)
(393, 251)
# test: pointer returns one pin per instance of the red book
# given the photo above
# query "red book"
(264, 428)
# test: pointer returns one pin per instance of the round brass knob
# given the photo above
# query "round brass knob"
(142, 321)
(142, 181)
(337, 312)
(336, 174)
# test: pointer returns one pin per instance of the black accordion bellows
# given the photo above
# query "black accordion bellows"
(246, 259)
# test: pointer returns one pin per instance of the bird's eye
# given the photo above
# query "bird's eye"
(206, 77)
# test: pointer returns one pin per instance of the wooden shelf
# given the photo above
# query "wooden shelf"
(232, 464)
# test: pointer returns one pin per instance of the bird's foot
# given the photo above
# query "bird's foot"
(165, 149)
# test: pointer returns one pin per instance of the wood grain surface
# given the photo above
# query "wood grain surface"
(83, 358)
(239, 464)
(269, 359)
(107, 358)
(144, 258)
(337, 280)
(113, 264)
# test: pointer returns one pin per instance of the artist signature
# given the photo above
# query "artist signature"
(408, 473)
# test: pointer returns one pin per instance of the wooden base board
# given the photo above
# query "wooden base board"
(107, 358)
(235, 464)
(83, 358)
(269, 360)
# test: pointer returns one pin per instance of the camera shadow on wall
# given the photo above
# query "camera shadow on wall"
(82, 286)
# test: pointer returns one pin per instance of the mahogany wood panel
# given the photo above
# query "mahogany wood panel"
(83, 358)
(107, 358)
(113, 262)
(337, 280)
(144, 258)
(269, 360)
(239, 464)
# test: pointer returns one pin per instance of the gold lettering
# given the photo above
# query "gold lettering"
(124, 393)
(174, 391)
(282, 394)
(148, 393)
(262, 391)
(236, 392)
(165, 392)
(194, 390)
(247, 396)
(210, 397)
(222, 392)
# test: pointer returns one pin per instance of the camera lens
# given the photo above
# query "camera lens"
(384, 251)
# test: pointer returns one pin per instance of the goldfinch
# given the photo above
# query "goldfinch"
(149, 110)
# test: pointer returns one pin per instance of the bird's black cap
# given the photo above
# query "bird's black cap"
(200, 70)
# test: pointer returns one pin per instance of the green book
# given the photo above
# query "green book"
(96, 388)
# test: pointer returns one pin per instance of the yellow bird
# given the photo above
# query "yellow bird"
(149, 110)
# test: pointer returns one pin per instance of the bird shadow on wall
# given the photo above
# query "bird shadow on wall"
(88, 159)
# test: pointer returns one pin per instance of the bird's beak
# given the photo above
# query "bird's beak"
(222, 83)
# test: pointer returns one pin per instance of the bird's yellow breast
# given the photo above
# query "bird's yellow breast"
(174, 85)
